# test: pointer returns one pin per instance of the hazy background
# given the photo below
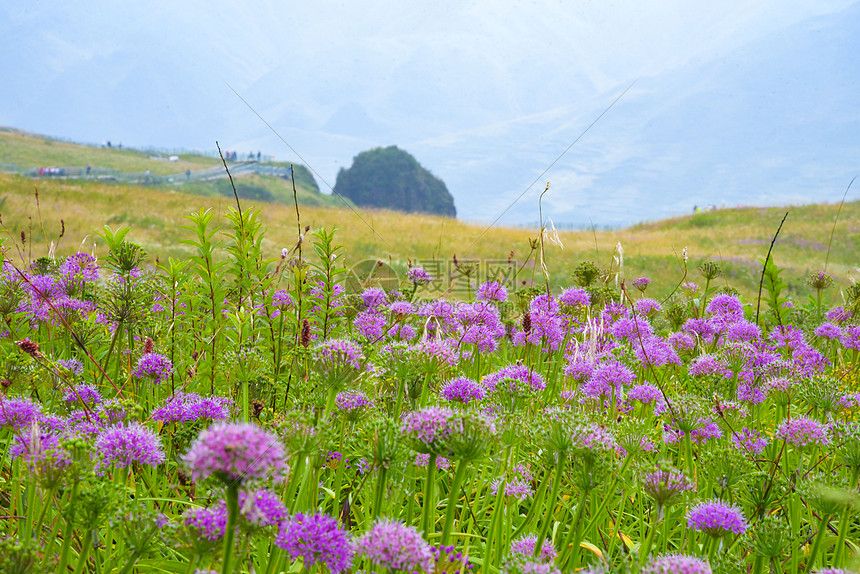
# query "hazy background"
(734, 102)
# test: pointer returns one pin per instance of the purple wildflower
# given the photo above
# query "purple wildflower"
(209, 523)
(850, 338)
(392, 545)
(648, 394)
(262, 508)
(707, 365)
(682, 341)
(828, 331)
(743, 331)
(77, 271)
(188, 407)
(491, 291)
(154, 366)
(422, 460)
(18, 413)
(802, 432)
(664, 485)
(316, 538)
(120, 446)
(515, 488)
(352, 402)
(749, 441)
(74, 365)
(726, 306)
(430, 427)
(235, 452)
(677, 564)
(282, 300)
(84, 393)
(401, 309)
(838, 315)
(418, 276)
(463, 390)
(40, 447)
(370, 325)
(514, 379)
(641, 283)
(574, 296)
(481, 325)
(647, 307)
(716, 518)
(335, 353)
(525, 546)
(373, 298)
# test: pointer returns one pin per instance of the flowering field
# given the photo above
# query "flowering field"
(238, 413)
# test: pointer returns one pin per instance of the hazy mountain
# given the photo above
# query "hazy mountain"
(734, 102)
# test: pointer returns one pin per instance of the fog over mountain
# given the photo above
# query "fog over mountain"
(733, 102)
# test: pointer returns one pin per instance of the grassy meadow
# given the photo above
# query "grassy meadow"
(184, 388)
(29, 150)
(737, 238)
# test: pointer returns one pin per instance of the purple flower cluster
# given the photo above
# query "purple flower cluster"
(392, 545)
(525, 546)
(282, 300)
(491, 291)
(717, 518)
(153, 366)
(516, 487)
(418, 276)
(665, 484)
(749, 441)
(235, 452)
(188, 407)
(480, 325)
(677, 564)
(546, 327)
(18, 413)
(370, 325)
(647, 307)
(336, 353)
(120, 446)
(316, 539)
(803, 432)
(351, 402)
(463, 390)
(430, 427)
(828, 331)
(423, 459)
(573, 297)
(84, 393)
(262, 508)
(514, 379)
(606, 378)
(209, 523)
(373, 298)
(74, 365)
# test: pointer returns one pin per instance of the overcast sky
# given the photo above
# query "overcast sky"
(733, 102)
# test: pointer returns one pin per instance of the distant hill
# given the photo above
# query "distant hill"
(191, 172)
(390, 178)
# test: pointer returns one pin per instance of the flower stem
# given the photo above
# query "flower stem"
(556, 483)
(453, 495)
(816, 544)
(429, 487)
(232, 519)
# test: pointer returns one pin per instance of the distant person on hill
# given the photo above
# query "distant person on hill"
(187, 175)
(88, 170)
